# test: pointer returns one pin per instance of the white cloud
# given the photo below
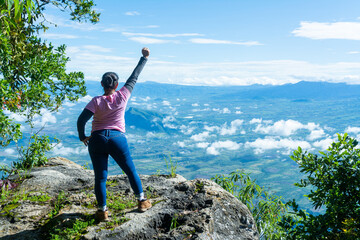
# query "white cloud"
(212, 151)
(161, 35)
(354, 52)
(181, 144)
(15, 116)
(225, 110)
(96, 48)
(166, 103)
(69, 104)
(111, 29)
(355, 130)
(323, 144)
(58, 36)
(45, 117)
(64, 121)
(316, 134)
(255, 120)
(325, 30)
(168, 119)
(186, 129)
(201, 137)
(230, 145)
(150, 135)
(268, 143)
(212, 128)
(214, 148)
(145, 99)
(132, 13)
(214, 41)
(60, 150)
(8, 152)
(238, 112)
(195, 104)
(284, 128)
(234, 126)
(167, 122)
(202, 144)
(152, 26)
(147, 40)
(85, 99)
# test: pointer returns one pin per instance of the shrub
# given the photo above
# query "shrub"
(334, 180)
(266, 208)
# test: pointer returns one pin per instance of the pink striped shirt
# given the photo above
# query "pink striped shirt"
(109, 111)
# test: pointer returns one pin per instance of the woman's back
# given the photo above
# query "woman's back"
(109, 111)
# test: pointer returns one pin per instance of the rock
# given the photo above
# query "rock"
(182, 209)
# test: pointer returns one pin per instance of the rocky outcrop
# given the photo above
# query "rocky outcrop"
(58, 201)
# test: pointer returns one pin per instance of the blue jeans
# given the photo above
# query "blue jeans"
(113, 142)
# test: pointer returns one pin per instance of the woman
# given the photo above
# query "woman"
(107, 136)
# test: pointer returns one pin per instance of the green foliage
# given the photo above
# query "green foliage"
(75, 229)
(117, 202)
(34, 154)
(116, 221)
(334, 178)
(33, 72)
(59, 203)
(40, 198)
(266, 208)
(174, 223)
(171, 166)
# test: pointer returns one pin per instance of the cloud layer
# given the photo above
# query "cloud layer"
(326, 30)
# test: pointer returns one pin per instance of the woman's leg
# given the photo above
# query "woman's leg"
(99, 160)
(119, 150)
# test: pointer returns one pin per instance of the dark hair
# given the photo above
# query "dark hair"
(110, 80)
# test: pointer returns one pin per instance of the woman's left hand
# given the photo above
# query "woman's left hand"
(86, 141)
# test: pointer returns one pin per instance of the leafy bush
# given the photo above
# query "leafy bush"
(334, 178)
(266, 208)
(34, 154)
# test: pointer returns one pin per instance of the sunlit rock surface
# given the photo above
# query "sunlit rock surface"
(182, 209)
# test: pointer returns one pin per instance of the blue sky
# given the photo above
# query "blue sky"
(217, 42)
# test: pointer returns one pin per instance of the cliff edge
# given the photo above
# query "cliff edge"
(57, 202)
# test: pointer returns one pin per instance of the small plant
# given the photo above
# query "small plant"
(158, 172)
(59, 203)
(86, 166)
(116, 221)
(117, 202)
(111, 183)
(40, 198)
(171, 166)
(174, 223)
(75, 230)
(199, 186)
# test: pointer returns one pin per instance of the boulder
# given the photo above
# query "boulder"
(182, 209)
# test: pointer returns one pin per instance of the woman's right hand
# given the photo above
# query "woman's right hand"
(86, 141)
(145, 52)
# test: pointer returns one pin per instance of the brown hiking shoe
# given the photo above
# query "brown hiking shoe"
(144, 205)
(102, 216)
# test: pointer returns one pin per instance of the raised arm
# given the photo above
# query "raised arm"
(130, 83)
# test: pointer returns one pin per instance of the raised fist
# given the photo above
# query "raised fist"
(145, 52)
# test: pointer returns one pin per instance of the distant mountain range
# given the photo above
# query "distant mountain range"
(144, 119)
(299, 91)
